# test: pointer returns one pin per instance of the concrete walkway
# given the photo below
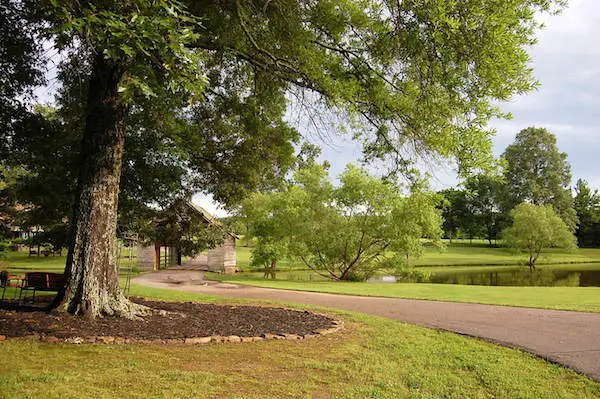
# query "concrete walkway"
(568, 338)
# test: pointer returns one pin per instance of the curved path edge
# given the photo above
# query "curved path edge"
(571, 339)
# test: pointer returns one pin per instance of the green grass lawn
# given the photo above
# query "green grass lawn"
(585, 299)
(21, 262)
(456, 254)
(18, 262)
(371, 358)
(490, 268)
(461, 254)
(566, 298)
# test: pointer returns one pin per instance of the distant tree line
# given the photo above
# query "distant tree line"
(532, 170)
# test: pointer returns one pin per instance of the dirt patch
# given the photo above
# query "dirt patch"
(182, 321)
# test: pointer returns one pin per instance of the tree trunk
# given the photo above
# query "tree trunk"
(156, 256)
(271, 270)
(178, 255)
(92, 288)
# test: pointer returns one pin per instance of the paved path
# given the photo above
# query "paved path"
(568, 338)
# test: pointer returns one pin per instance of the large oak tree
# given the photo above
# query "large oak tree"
(410, 76)
(538, 173)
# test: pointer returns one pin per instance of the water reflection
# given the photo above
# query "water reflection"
(507, 276)
(521, 277)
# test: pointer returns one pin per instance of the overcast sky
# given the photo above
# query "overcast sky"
(566, 61)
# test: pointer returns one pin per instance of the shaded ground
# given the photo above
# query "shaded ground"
(568, 338)
(182, 320)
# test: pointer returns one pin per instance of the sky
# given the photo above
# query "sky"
(566, 61)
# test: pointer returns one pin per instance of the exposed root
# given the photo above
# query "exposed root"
(120, 306)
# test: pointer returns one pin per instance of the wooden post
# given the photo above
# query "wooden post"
(156, 256)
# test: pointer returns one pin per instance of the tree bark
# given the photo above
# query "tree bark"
(156, 256)
(92, 288)
(178, 260)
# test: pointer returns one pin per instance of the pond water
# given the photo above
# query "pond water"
(587, 276)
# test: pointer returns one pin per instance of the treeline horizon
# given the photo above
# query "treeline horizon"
(531, 170)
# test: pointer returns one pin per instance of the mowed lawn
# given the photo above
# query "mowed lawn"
(585, 299)
(459, 256)
(461, 253)
(371, 358)
(21, 262)
(565, 298)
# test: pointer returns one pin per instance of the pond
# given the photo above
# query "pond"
(572, 276)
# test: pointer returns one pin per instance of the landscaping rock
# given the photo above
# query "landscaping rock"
(197, 340)
(50, 339)
(106, 339)
(74, 340)
(170, 323)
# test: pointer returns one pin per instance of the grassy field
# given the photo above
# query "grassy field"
(372, 358)
(565, 298)
(457, 254)
(20, 262)
(458, 257)
(17, 262)
(585, 299)
(463, 253)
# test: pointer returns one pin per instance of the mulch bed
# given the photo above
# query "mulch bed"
(183, 320)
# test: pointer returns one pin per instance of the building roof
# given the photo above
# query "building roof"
(210, 219)
(205, 214)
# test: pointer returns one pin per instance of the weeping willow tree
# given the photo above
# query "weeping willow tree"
(407, 76)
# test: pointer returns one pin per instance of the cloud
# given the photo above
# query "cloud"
(566, 61)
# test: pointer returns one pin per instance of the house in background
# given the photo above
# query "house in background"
(15, 233)
(161, 255)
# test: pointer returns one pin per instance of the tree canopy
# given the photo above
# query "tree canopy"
(537, 172)
(535, 228)
(388, 63)
(487, 196)
(346, 232)
(456, 213)
(587, 205)
(210, 80)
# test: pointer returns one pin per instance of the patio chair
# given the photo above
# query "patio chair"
(40, 281)
(33, 281)
(3, 282)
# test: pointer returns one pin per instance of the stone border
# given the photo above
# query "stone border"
(337, 325)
